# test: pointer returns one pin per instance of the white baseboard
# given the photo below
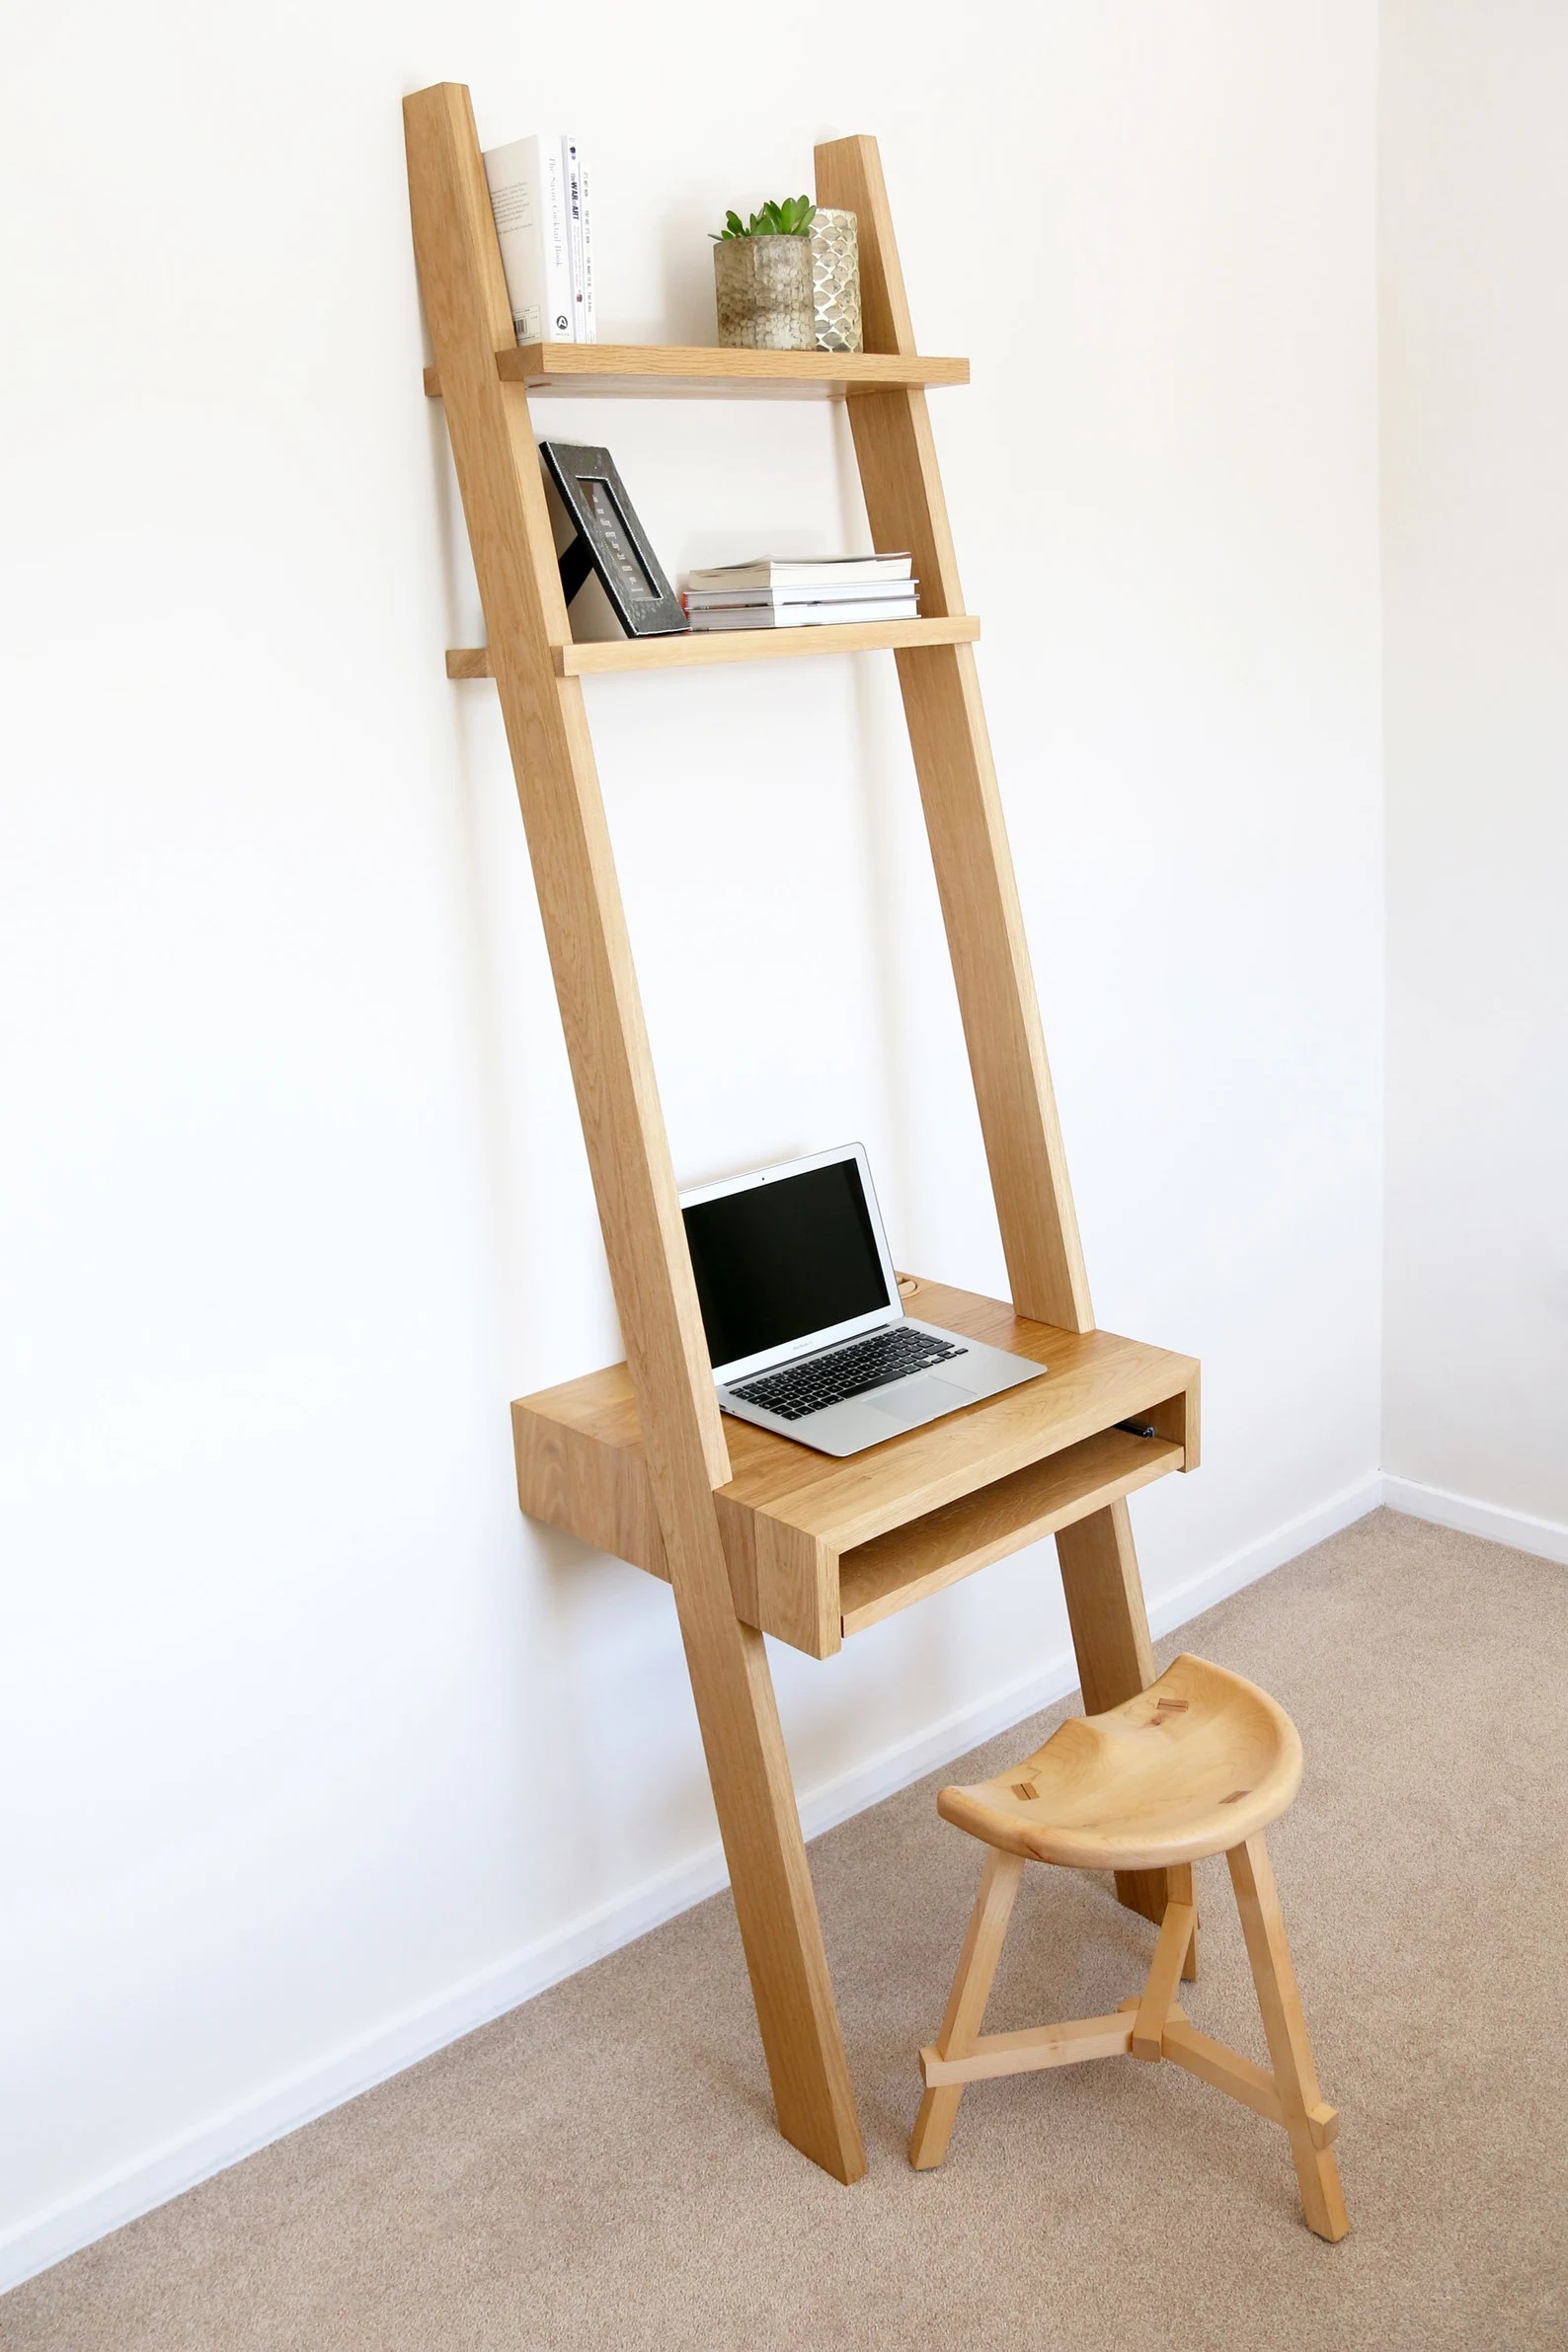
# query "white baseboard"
(403, 2041)
(1547, 1537)
(358, 2065)
(1244, 1567)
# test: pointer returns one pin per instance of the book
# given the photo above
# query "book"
(527, 196)
(802, 617)
(763, 570)
(847, 592)
(590, 314)
(576, 185)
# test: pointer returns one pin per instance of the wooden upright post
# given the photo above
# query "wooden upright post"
(958, 790)
(497, 472)
(984, 928)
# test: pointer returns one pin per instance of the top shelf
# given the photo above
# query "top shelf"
(689, 372)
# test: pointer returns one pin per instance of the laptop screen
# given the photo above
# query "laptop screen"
(783, 1259)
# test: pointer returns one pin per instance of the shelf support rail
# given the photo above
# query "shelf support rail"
(983, 920)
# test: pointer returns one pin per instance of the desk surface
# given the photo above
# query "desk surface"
(927, 1506)
(1094, 1380)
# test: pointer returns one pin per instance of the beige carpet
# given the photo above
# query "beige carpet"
(597, 2168)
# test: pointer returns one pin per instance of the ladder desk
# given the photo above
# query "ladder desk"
(755, 1534)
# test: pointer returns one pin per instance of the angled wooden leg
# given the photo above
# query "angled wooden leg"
(771, 1880)
(1189, 1967)
(1294, 2076)
(966, 2004)
(959, 793)
(1177, 1929)
(1109, 1636)
(601, 1016)
(987, 942)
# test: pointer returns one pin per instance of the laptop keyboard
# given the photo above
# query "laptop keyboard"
(871, 1363)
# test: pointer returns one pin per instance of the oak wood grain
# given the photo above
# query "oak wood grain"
(1239, 2078)
(1176, 1932)
(694, 370)
(1109, 1639)
(1302, 2103)
(1154, 1779)
(706, 649)
(948, 735)
(910, 1563)
(1029, 2051)
(1200, 1759)
(966, 2006)
(820, 1547)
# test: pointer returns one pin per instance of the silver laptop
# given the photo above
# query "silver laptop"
(805, 1324)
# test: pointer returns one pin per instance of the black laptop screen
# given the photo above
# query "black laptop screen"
(784, 1259)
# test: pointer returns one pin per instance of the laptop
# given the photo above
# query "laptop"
(805, 1324)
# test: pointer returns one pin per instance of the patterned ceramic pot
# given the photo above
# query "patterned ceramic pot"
(835, 280)
(764, 290)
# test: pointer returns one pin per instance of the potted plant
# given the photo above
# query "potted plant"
(762, 278)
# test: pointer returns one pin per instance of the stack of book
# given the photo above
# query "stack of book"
(539, 196)
(772, 593)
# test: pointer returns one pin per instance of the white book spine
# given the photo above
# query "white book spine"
(527, 197)
(557, 247)
(591, 325)
(571, 185)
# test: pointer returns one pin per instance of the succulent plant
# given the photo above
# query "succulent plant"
(791, 218)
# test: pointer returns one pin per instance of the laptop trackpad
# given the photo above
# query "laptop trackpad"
(913, 1401)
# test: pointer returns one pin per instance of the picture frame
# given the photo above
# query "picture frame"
(609, 541)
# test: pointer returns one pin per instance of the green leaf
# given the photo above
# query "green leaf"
(788, 217)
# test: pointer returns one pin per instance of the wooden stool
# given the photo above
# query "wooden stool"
(1199, 1764)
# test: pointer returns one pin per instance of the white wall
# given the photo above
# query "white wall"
(1475, 556)
(314, 1746)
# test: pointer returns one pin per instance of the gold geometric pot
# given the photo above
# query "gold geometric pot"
(763, 286)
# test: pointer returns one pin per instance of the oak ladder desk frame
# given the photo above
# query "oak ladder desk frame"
(635, 1459)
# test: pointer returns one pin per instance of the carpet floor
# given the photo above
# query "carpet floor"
(597, 2168)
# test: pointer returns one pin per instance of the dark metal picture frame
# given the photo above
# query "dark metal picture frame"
(610, 541)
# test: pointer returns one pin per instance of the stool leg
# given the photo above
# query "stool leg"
(1280, 1999)
(1171, 1956)
(966, 2004)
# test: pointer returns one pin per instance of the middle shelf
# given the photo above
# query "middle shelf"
(725, 371)
(693, 651)
(818, 1548)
